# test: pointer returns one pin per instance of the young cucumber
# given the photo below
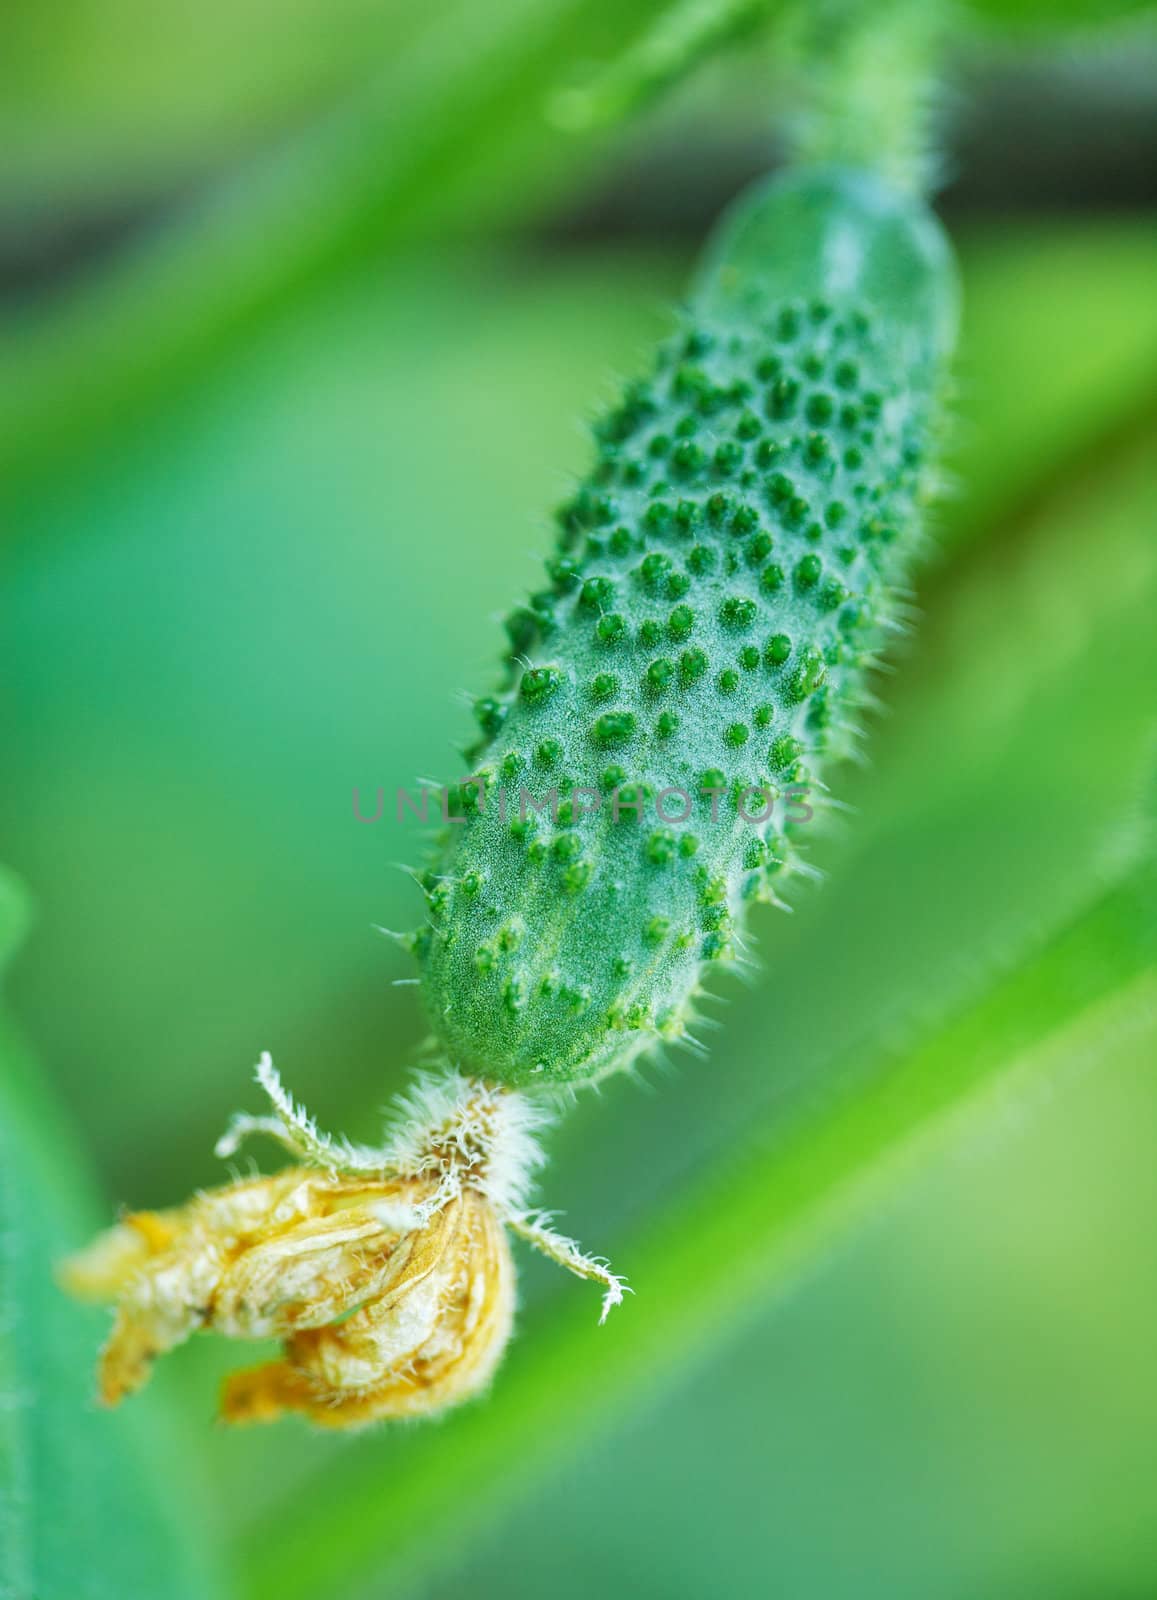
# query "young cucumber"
(724, 579)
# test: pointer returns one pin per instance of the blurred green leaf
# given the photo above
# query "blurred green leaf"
(105, 96)
(1059, 353)
(447, 128)
(13, 916)
(1059, 16)
(84, 1514)
(963, 1388)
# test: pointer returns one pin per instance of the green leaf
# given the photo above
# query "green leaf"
(84, 1512)
(1040, 310)
(1060, 16)
(14, 915)
(445, 131)
(82, 113)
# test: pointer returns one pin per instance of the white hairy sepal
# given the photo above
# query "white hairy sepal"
(458, 1133)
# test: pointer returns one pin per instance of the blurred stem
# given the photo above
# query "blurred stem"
(685, 35)
(867, 75)
(871, 86)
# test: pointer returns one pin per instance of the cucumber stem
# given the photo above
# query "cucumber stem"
(870, 88)
(866, 72)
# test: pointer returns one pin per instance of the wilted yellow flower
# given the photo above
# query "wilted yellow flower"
(386, 1273)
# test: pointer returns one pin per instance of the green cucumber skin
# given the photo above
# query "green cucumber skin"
(723, 580)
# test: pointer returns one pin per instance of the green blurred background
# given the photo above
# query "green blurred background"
(262, 270)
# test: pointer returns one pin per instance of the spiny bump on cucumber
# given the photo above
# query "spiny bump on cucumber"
(722, 581)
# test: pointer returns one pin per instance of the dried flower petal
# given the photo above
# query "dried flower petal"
(432, 1339)
(386, 1274)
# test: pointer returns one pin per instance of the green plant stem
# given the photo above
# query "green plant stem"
(870, 87)
(866, 75)
(686, 34)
